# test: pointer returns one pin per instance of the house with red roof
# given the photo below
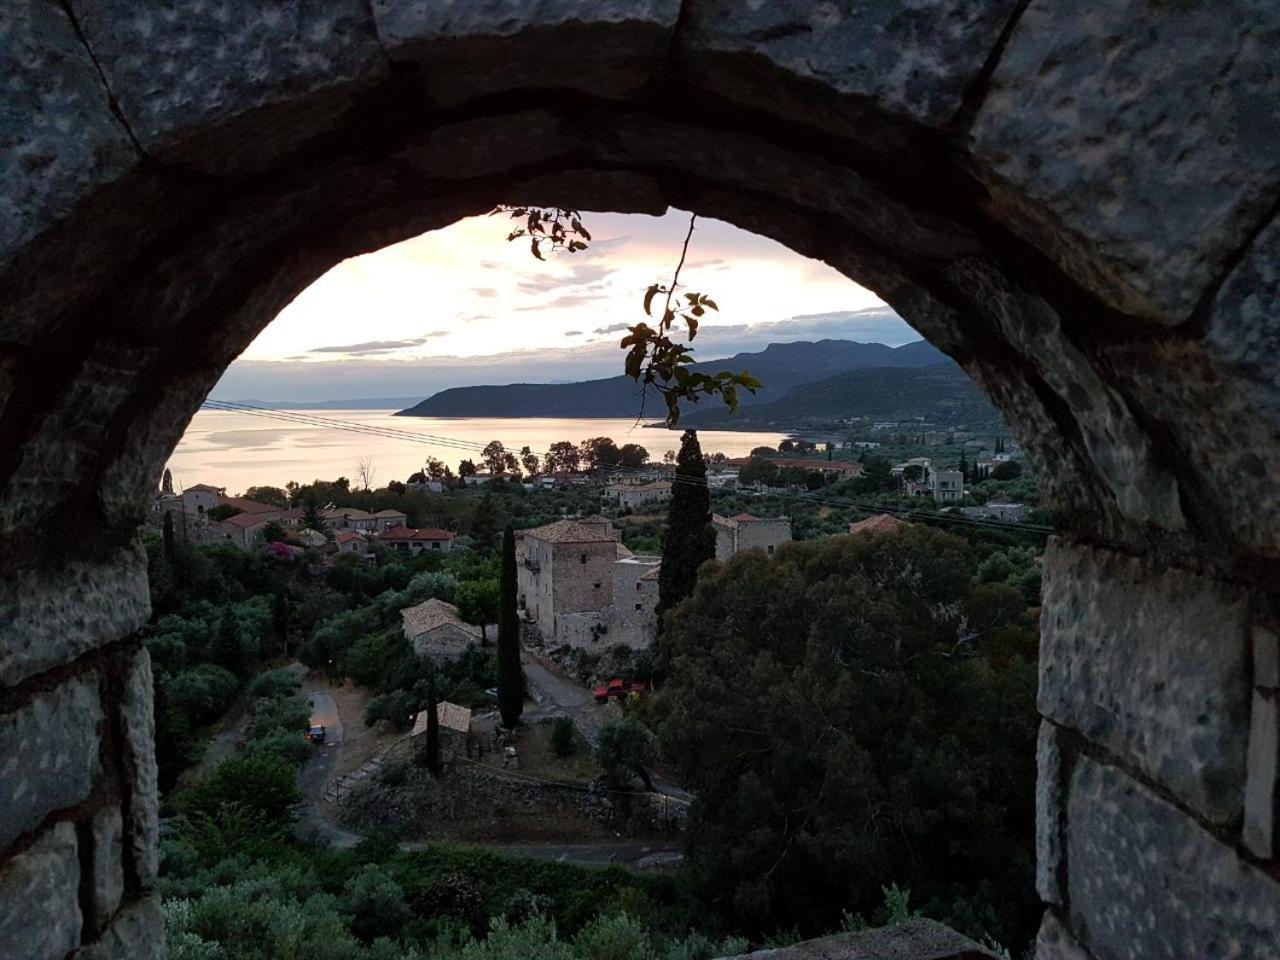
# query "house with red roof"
(417, 539)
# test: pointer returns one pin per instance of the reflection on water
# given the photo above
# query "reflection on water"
(237, 450)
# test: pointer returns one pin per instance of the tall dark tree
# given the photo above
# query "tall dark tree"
(510, 673)
(170, 548)
(690, 540)
(484, 522)
(166, 482)
(312, 518)
(431, 752)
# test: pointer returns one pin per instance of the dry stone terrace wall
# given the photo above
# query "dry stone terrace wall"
(1076, 201)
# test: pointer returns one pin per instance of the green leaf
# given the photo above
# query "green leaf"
(533, 246)
(648, 297)
(708, 302)
(634, 360)
(693, 325)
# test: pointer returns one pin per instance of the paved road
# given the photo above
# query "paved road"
(314, 777)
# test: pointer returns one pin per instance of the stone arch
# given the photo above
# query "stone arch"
(1078, 205)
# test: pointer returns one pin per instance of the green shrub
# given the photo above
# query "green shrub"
(262, 783)
(562, 736)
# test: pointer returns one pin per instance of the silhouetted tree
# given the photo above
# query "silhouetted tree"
(170, 548)
(430, 756)
(510, 673)
(689, 540)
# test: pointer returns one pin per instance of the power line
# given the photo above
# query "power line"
(393, 433)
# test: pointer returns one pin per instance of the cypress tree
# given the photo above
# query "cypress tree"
(510, 673)
(433, 726)
(689, 540)
(170, 548)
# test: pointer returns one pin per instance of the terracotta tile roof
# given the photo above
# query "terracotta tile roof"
(389, 513)
(589, 530)
(451, 717)
(431, 614)
(248, 506)
(407, 533)
(346, 536)
(880, 523)
(246, 520)
(624, 552)
(350, 513)
(744, 516)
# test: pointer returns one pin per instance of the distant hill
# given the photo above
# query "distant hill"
(780, 367)
(941, 394)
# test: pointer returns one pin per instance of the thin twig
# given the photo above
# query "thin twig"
(675, 279)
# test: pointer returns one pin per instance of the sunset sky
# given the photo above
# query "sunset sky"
(463, 306)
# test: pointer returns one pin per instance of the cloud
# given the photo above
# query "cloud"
(380, 346)
(484, 291)
(573, 333)
(568, 300)
(611, 328)
(367, 376)
(580, 275)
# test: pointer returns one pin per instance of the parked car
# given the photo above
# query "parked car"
(618, 688)
(316, 734)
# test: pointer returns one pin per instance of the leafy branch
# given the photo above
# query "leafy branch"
(654, 359)
(553, 227)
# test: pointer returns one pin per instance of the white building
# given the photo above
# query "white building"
(947, 485)
(632, 495)
(746, 532)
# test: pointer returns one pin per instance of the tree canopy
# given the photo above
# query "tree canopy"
(852, 713)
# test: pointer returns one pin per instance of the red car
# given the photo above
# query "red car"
(618, 688)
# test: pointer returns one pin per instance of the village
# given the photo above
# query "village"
(588, 607)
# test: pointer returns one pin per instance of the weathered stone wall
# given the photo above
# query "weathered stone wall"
(78, 806)
(1078, 202)
(1157, 794)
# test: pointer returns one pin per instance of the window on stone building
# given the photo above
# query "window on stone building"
(596, 586)
(582, 558)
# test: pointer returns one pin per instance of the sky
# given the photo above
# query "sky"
(462, 306)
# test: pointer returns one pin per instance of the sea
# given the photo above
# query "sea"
(242, 449)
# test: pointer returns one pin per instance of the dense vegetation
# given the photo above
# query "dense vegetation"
(858, 712)
(856, 717)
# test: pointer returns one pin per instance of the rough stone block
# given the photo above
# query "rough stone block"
(1050, 809)
(916, 59)
(138, 714)
(1244, 325)
(1262, 789)
(913, 940)
(229, 85)
(1150, 665)
(1137, 141)
(48, 755)
(136, 933)
(1146, 880)
(39, 901)
(57, 615)
(108, 869)
(1266, 659)
(617, 45)
(1055, 941)
(57, 134)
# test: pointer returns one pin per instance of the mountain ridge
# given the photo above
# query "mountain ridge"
(780, 367)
